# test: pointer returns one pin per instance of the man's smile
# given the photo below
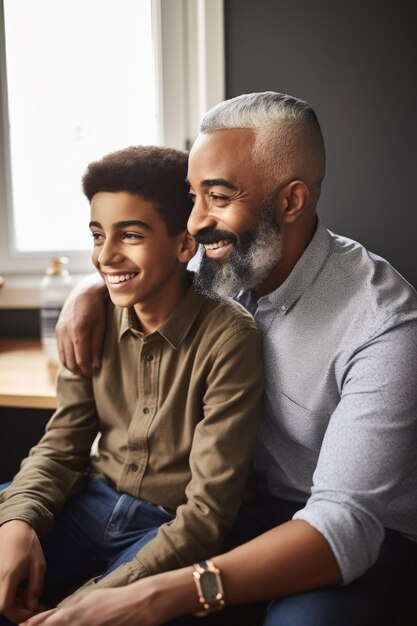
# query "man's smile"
(219, 249)
(217, 244)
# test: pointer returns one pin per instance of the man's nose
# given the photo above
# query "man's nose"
(200, 218)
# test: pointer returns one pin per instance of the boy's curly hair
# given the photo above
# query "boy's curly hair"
(154, 173)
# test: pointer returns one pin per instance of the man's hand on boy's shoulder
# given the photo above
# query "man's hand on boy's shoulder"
(21, 559)
(81, 325)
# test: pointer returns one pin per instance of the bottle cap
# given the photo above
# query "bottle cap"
(55, 269)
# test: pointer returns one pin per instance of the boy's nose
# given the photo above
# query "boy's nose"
(108, 254)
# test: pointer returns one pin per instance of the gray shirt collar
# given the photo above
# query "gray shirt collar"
(303, 274)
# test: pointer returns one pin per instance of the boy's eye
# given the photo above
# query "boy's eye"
(132, 236)
(96, 236)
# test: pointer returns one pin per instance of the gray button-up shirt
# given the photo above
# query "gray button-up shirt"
(339, 429)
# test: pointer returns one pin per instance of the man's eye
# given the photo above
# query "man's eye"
(218, 199)
(96, 236)
(192, 197)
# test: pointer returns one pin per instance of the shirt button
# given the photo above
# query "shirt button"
(133, 467)
(283, 308)
(146, 410)
(149, 357)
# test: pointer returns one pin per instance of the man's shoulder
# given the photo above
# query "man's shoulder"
(367, 278)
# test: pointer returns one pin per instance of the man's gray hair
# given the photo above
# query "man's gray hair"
(256, 110)
(288, 140)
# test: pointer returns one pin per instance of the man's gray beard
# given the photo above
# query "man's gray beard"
(249, 264)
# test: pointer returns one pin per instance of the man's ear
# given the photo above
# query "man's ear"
(291, 201)
(188, 247)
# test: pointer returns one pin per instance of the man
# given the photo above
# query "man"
(176, 404)
(336, 518)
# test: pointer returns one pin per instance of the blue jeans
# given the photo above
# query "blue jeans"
(97, 530)
(384, 596)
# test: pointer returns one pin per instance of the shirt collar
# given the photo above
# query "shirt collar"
(176, 327)
(303, 274)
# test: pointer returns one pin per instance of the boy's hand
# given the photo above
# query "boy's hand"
(81, 325)
(150, 601)
(21, 559)
(103, 607)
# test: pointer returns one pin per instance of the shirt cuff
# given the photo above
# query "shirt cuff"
(355, 540)
(41, 526)
(124, 575)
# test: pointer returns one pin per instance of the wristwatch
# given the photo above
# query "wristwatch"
(209, 586)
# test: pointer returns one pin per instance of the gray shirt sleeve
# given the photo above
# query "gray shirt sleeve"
(369, 447)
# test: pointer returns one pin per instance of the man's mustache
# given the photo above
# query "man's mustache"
(211, 235)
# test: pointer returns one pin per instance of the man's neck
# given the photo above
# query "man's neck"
(294, 243)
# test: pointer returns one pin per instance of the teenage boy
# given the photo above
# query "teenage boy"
(176, 402)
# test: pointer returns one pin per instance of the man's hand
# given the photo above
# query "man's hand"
(81, 325)
(21, 558)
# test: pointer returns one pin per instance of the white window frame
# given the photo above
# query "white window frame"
(190, 79)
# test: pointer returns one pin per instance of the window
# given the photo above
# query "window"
(81, 78)
(84, 68)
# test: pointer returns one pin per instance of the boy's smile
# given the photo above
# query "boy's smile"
(134, 253)
(119, 279)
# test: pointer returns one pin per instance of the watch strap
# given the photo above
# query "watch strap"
(209, 587)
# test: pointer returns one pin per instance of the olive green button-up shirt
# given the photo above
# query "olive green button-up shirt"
(177, 411)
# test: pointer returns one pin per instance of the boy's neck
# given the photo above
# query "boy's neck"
(155, 311)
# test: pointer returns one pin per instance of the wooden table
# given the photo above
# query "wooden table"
(26, 378)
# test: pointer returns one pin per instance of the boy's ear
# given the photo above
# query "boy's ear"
(188, 247)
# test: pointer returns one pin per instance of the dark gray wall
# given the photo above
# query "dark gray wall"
(354, 62)
(20, 429)
(19, 323)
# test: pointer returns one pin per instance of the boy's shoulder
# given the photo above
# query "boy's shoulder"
(223, 325)
(206, 315)
(227, 313)
(223, 328)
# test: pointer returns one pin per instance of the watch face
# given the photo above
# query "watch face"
(209, 586)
